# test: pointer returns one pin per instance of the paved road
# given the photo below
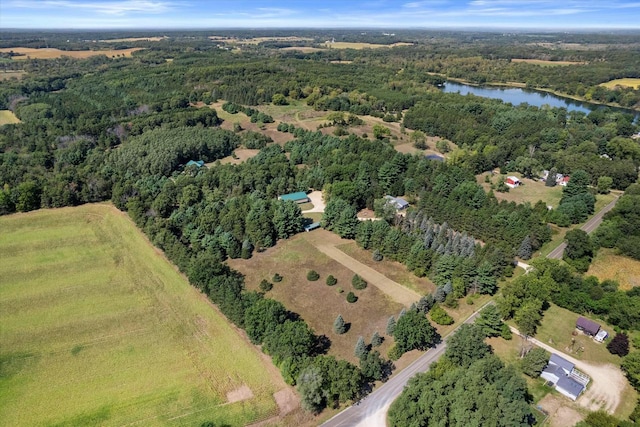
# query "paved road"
(372, 410)
(588, 226)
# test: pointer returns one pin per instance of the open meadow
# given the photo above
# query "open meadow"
(627, 82)
(608, 265)
(98, 328)
(7, 117)
(49, 53)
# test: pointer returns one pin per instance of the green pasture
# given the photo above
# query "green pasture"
(98, 328)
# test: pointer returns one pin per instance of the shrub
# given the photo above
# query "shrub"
(331, 281)
(339, 326)
(394, 353)
(377, 256)
(358, 282)
(440, 316)
(351, 298)
(265, 285)
(277, 278)
(451, 301)
(312, 276)
(619, 345)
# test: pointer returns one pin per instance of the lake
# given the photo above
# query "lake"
(517, 96)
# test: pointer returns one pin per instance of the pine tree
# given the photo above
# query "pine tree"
(339, 326)
(440, 294)
(376, 339)
(425, 303)
(525, 251)
(402, 313)
(391, 325)
(361, 348)
(448, 287)
(551, 178)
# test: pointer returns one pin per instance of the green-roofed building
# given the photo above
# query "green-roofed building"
(197, 163)
(299, 197)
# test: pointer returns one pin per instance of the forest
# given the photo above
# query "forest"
(124, 129)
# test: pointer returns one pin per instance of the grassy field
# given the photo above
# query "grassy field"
(49, 53)
(8, 75)
(317, 303)
(358, 46)
(608, 265)
(393, 270)
(546, 63)
(98, 328)
(7, 117)
(556, 330)
(629, 82)
(135, 39)
(531, 191)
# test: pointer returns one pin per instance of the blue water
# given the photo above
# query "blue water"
(517, 96)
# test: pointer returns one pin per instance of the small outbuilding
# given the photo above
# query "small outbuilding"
(589, 327)
(601, 336)
(299, 197)
(512, 182)
(312, 226)
(196, 163)
(434, 157)
(397, 202)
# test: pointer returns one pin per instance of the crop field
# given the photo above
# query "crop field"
(359, 46)
(629, 82)
(98, 328)
(7, 117)
(50, 53)
(135, 39)
(547, 63)
(317, 303)
(608, 265)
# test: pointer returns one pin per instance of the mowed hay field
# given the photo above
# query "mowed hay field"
(98, 328)
(628, 82)
(7, 117)
(49, 53)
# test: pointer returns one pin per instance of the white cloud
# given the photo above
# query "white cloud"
(108, 8)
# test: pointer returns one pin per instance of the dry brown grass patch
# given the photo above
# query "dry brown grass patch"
(50, 53)
(8, 75)
(609, 266)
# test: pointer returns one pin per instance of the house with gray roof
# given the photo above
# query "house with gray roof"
(565, 378)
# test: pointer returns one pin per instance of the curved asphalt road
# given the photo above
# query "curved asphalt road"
(589, 226)
(372, 410)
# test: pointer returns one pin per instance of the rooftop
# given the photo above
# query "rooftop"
(563, 363)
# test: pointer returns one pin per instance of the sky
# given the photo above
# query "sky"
(389, 14)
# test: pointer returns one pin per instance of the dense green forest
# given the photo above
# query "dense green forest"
(124, 129)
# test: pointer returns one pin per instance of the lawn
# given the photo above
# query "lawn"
(627, 82)
(7, 117)
(98, 328)
(50, 53)
(556, 329)
(530, 191)
(608, 265)
(317, 303)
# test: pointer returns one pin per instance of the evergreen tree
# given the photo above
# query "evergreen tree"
(361, 348)
(525, 251)
(425, 303)
(376, 339)
(490, 321)
(440, 294)
(551, 178)
(391, 325)
(339, 326)
(287, 219)
(448, 287)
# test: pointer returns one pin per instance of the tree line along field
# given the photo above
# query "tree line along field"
(98, 328)
(50, 53)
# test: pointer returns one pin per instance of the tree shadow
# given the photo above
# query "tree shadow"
(323, 343)
(347, 327)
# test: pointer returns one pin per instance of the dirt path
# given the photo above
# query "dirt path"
(607, 381)
(316, 200)
(394, 290)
